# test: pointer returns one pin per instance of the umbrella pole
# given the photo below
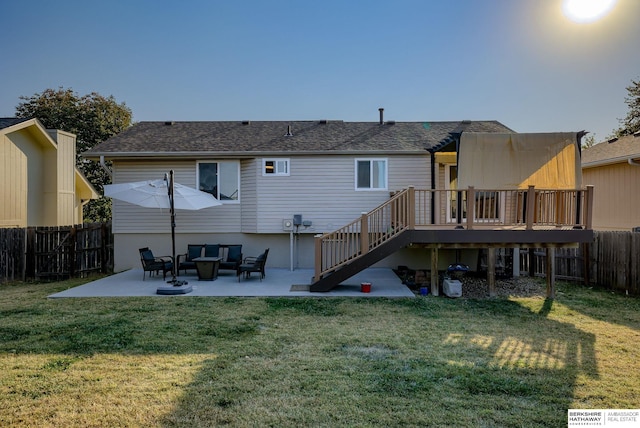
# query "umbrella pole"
(174, 279)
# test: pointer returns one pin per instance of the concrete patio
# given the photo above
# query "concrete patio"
(277, 283)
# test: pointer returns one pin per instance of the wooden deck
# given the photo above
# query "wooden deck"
(494, 218)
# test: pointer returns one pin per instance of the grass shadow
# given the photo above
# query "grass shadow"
(431, 362)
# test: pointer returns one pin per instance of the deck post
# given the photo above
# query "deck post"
(435, 286)
(531, 199)
(318, 257)
(588, 220)
(516, 262)
(491, 271)
(471, 203)
(551, 273)
(364, 234)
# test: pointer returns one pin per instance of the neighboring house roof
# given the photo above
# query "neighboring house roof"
(270, 137)
(616, 150)
(6, 122)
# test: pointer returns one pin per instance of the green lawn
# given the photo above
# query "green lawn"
(204, 361)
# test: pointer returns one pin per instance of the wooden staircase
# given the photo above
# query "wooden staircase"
(365, 241)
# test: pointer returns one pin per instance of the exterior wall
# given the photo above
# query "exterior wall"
(321, 188)
(48, 198)
(13, 183)
(616, 202)
(65, 177)
(285, 250)
(249, 176)
(128, 218)
(38, 178)
(27, 182)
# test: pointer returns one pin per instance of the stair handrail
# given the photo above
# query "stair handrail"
(372, 229)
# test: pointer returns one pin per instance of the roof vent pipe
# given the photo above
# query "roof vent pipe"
(289, 133)
(381, 110)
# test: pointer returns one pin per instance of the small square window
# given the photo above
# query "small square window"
(275, 167)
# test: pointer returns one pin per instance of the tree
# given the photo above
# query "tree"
(631, 123)
(589, 141)
(93, 119)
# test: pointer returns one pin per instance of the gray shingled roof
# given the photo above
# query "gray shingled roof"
(615, 151)
(6, 122)
(242, 138)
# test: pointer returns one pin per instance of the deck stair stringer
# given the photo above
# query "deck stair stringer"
(333, 279)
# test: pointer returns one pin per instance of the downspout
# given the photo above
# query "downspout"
(104, 166)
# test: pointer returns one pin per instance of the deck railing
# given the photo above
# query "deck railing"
(471, 208)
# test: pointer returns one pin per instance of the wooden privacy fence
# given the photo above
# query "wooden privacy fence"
(612, 261)
(54, 253)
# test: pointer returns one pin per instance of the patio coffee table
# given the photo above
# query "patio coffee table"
(207, 268)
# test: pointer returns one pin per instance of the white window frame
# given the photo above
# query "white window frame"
(219, 161)
(371, 188)
(277, 162)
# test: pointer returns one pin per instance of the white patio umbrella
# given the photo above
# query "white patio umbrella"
(164, 193)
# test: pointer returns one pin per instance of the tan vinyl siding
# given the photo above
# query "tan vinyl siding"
(65, 176)
(13, 184)
(249, 176)
(616, 201)
(128, 218)
(322, 189)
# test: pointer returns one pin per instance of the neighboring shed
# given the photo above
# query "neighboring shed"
(39, 183)
(613, 167)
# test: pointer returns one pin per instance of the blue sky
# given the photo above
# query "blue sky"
(520, 62)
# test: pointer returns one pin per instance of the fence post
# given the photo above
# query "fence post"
(72, 251)
(103, 247)
(588, 221)
(30, 254)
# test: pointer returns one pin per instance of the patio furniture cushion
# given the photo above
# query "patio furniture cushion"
(211, 250)
(233, 259)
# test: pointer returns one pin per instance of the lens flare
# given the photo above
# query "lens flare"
(584, 11)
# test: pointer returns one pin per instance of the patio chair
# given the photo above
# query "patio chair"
(253, 264)
(151, 264)
(185, 261)
(233, 259)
